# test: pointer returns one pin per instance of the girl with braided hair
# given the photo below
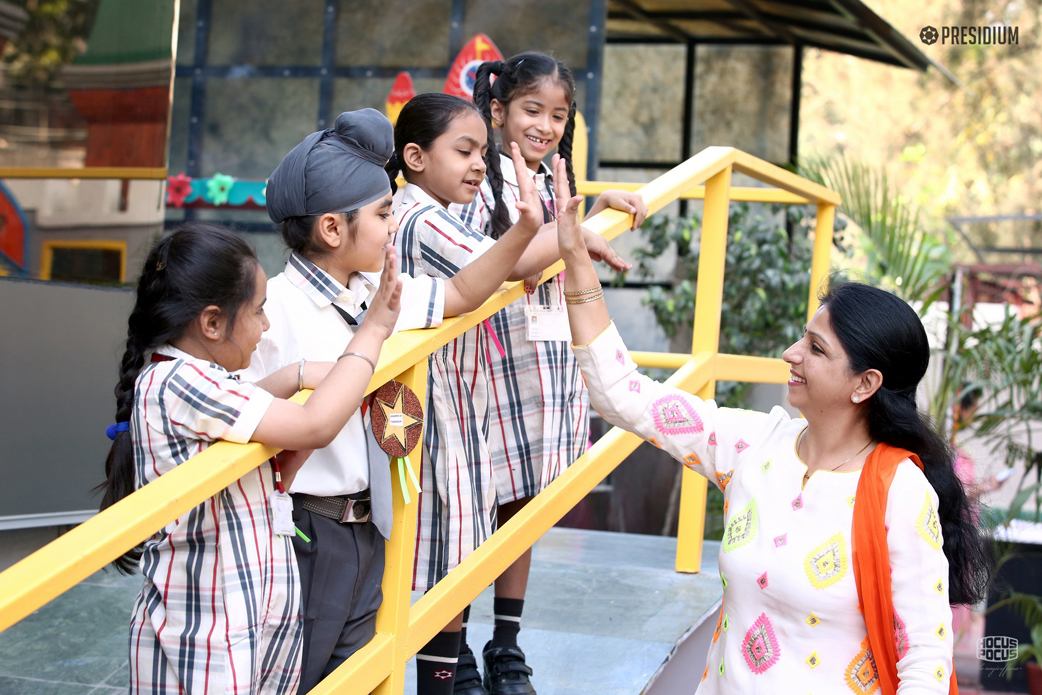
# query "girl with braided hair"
(440, 142)
(219, 611)
(538, 402)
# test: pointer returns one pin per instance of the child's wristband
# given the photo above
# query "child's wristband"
(300, 375)
(358, 354)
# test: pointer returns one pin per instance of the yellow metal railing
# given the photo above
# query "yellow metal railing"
(401, 628)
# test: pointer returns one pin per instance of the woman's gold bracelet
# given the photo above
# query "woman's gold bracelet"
(582, 292)
(592, 298)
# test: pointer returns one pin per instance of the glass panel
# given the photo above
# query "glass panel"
(412, 33)
(265, 32)
(742, 99)
(186, 29)
(642, 103)
(86, 265)
(372, 92)
(178, 158)
(551, 26)
(251, 124)
(85, 82)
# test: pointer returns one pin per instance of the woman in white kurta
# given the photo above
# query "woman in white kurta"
(790, 620)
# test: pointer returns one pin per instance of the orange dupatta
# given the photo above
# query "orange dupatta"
(872, 561)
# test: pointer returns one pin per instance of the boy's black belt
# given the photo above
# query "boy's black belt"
(347, 509)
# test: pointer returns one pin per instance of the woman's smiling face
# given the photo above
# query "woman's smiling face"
(820, 378)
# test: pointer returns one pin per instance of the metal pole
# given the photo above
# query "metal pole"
(794, 104)
(689, 110)
(821, 262)
(197, 107)
(594, 71)
(708, 301)
(325, 81)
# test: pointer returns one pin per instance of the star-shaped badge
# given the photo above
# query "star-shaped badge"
(398, 419)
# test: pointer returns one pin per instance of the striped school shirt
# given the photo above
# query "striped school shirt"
(304, 306)
(219, 609)
(539, 403)
(458, 498)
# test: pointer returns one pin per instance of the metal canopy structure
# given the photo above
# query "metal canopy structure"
(844, 26)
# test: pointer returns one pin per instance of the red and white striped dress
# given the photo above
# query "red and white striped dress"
(219, 611)
(457, 509)
(540, 407)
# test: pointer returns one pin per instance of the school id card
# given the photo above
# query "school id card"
(282, 514)
(546, 323)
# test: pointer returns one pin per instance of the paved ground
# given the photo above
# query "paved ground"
(604, 611)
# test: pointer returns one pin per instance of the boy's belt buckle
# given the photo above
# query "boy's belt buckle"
(356, 512)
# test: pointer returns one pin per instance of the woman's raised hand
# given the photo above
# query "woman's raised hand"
(386, 304)
(528, 207)
(569, 233)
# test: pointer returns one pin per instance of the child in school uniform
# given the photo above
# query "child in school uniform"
(219, 609)
(440, 143)
(332, 200)
(539, 403)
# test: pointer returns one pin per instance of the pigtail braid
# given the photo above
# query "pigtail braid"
(197, 266)
(120, 477)
(483, 94)
(564, 148)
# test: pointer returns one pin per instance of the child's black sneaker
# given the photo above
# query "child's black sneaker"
(506, 672)
(468, 678)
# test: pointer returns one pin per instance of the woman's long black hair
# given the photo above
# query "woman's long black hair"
(880, 331)
(520, 75)
(197, 266)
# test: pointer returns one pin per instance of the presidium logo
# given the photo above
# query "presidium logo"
(992, 35)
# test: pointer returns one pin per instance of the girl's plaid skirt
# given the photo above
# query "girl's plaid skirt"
(457, 505)
(539, 405)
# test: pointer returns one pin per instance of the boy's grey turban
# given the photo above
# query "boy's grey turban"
(334, 170)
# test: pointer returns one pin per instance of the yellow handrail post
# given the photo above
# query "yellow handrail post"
(393, 616)
(379, 667)
(708, 300)
(822, 260)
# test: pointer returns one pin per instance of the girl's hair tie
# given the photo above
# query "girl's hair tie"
(112, 430)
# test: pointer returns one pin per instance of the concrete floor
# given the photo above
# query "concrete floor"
(603, 614)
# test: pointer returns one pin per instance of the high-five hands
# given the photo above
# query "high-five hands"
(569, 234)
(529, 209)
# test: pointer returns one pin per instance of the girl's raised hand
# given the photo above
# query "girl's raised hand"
(569, 233)
(627, 201)
(601, 250)
(386, 304)
(528, 207)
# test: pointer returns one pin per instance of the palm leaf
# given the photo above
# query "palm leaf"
(901, 254)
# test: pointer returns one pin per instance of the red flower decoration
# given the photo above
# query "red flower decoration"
(178, 188)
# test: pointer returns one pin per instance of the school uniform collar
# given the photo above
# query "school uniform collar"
(413, 194)
(178, 354)
(323, 289)
(506, 167)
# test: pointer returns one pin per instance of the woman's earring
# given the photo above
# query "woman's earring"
(856, 399)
